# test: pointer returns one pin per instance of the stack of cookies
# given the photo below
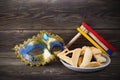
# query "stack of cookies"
(83, 57)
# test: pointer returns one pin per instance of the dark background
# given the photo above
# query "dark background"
(21, 19)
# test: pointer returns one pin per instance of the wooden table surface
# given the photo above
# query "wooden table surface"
(21, 19)
(12, 68)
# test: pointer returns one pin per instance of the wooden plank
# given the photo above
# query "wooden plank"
(95, 22)
(58, 15)
(15, 69)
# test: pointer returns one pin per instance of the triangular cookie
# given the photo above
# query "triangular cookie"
(87, 57)
(71, 60)
(97, 54)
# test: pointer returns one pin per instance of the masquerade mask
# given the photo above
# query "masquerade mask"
(46, 43)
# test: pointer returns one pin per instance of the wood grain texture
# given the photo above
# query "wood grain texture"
(21, 19)
(13, 68)
(68, 14)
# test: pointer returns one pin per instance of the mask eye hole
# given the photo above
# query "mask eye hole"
(56, 48)
(36, 51)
